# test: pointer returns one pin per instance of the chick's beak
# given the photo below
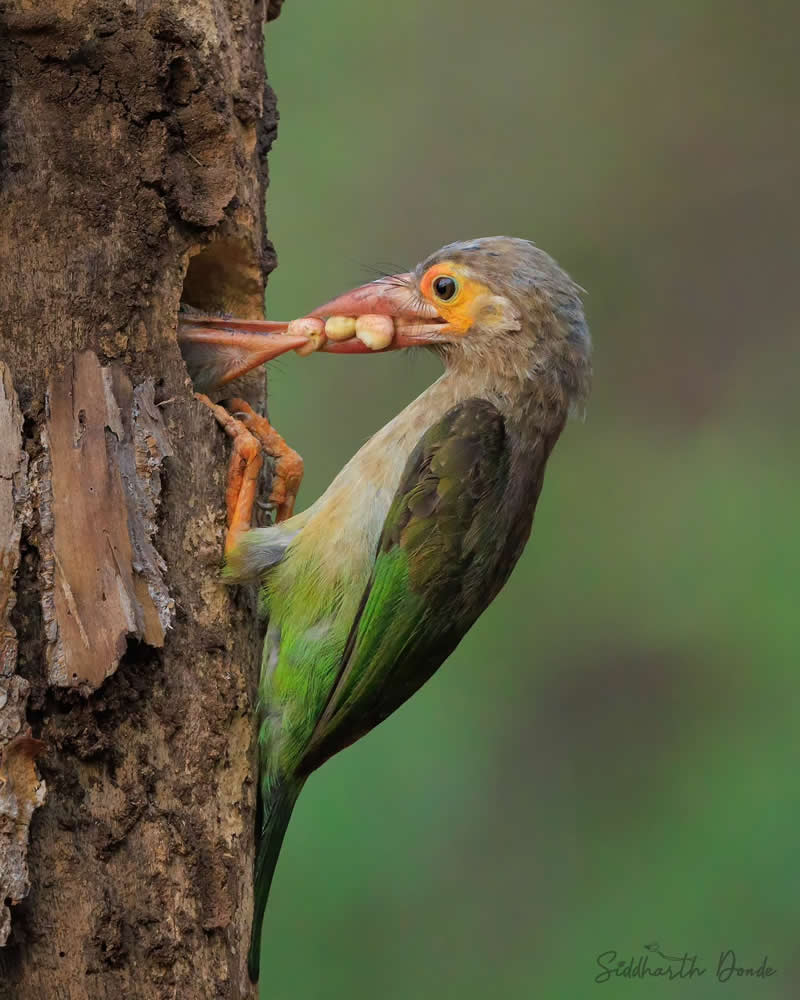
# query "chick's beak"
(218, 350)
(414, 322)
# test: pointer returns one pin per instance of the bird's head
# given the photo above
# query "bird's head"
(496, 305)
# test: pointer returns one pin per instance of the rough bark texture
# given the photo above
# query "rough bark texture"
(133, 136)
(21, 791)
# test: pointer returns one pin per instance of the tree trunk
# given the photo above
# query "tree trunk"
(133, 136)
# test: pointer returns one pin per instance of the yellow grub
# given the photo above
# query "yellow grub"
(340, 327)
(375, 332)
(316, 341)
(314, 329)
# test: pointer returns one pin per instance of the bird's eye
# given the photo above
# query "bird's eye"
(445, 287)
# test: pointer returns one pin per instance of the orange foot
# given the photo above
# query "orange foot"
(253, 435)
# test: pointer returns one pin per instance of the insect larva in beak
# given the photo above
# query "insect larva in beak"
(340, 327)
(376, 332)
(314, 329)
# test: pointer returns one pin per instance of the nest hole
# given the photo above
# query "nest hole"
(224, 277)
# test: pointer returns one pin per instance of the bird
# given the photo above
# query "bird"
(371, 588)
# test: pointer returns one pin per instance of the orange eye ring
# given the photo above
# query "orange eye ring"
(447, 279)
(442, 285)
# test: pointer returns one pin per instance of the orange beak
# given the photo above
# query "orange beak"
(217, 351)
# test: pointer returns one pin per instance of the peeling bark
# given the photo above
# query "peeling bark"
(100, 587)
(133, 139)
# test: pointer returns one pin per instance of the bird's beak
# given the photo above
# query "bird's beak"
(217, 351)
(414, 322)
(386, 314)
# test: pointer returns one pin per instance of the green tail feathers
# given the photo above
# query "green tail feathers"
(276, 815)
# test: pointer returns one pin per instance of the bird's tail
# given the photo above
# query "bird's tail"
(272, 824)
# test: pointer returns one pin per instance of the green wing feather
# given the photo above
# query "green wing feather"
(443, 555)
(439, 563)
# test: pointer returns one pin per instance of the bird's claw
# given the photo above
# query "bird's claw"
(253, 436)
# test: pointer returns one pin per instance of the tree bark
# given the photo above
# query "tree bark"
(133, 138)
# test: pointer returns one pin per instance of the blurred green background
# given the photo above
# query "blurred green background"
(610, 757)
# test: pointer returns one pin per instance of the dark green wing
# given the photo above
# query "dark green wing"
(442, 557)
